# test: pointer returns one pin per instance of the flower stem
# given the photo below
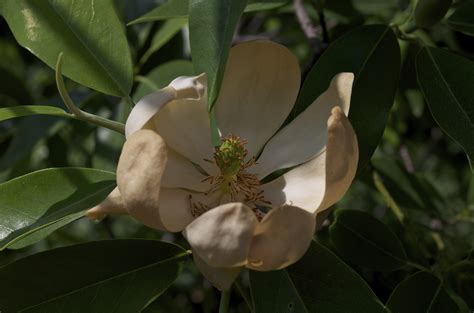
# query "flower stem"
(225, 299)
(78, 113)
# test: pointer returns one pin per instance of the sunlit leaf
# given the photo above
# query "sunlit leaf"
(26, 110)
(89, 33)
(46, 200)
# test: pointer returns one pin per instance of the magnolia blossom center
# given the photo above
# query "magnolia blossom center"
(233, 183)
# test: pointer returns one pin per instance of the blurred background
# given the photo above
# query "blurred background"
(417, 170)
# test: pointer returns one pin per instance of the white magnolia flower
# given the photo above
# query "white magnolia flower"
(171, 178)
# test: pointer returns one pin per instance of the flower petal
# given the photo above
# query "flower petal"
(113, 204)
(139, 171)
(185, 127)
(222, 236)
(175, 208)
(319, 183)
(181, 173)
(306, 136)
(259, 88)
(220, 277)
(149, 105)
(281, 238)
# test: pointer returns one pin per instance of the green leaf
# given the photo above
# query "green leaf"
(405, 188)
(446, 81)
(161, 76)
(89, 33)
(421, 293)
(363, 240)
(26, 110)
(179, 8)
(167, 31)
(102, 276)
(46, 200)
(461, 20)
(211, 28)
(373, 55)
(320, 282)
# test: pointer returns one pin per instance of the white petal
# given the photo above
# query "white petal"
(220, 277)
(175, 208)
(306, 136)
(185, 126)
(181, 173)
(281, 238)
(259, 89)
(319, 183)
(222, 236)
(113, 204)
(139, 171)
(149, 105)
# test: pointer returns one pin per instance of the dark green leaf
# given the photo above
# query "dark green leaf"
(373, 55)
(446, 81)
(363, 240)
(102, 276)
(405, 188)
(167, 31)
(320, 282)
(89, 33)
(46, 200)
(161, 76)
(421, 293)
(179, 8)
(462, 19)
(26, 110)
(211, 28)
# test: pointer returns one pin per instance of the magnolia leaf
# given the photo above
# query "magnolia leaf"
(89, 33)
(421, 293)
(446, 81)
(101, 276)
(179, 8)
(363, 240)
(47, 200)
(211, 28)
(320, 282)
(374, 58)
(462, 19)
(26, 110)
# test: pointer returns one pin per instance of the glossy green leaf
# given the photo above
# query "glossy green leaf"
(161, 76)
(462, 19)
(421, 293)
(179, 8)
(26, 110)
(88, 32)
(167, 31)
(46, 200)
(373, 55)
(211, 28)
(363, 240)
(320, 282)
(102, 276)
(446, 81)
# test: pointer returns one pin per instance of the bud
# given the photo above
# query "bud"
(430, 12)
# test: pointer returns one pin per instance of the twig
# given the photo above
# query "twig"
(307, 26)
